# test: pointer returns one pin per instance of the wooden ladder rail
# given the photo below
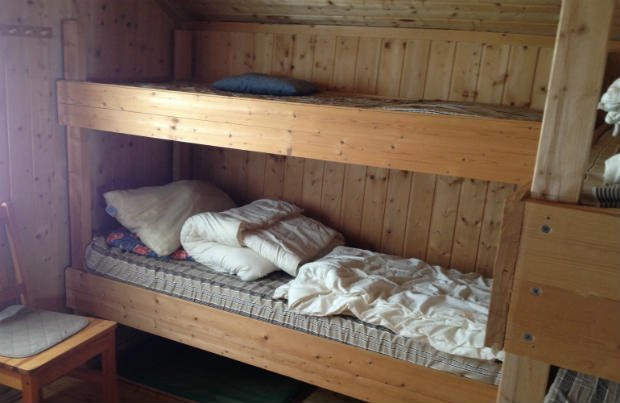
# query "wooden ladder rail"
(80, 197)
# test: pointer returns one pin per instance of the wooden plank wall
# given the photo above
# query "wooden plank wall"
(33, 167)
(128, 40)
(32, 158)
(445, 220)
(517, 16)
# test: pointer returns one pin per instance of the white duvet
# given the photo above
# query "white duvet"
(256, 239)
(444, 308)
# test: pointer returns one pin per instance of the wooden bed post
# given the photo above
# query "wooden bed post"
(183, 71)
(80, 217)
(504, 267)
(566, 134)
(574, 89)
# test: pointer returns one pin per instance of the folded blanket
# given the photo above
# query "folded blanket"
(444, 308)
(253, 240)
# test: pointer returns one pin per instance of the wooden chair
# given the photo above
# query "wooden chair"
(30, 374)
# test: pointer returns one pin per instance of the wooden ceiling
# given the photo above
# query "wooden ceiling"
(516, 16)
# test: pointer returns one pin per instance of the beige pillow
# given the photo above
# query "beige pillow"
(157, 213)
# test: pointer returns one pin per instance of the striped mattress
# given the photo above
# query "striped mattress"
(469, 109)
(574, 387)
(197, 283)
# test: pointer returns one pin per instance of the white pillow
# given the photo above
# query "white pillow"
(157, 213)
(240, 261)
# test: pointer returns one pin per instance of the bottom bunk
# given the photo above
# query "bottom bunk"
(240, 320)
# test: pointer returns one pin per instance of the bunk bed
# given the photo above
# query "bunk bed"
(475, 142)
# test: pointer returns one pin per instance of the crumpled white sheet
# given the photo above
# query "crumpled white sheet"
(256, 239)
(444, 308)
(610, 103)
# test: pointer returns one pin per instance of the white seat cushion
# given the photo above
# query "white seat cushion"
(26, 331)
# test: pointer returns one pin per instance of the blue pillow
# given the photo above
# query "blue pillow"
(254, 83)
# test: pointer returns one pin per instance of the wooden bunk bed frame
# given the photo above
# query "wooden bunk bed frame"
(349, 370)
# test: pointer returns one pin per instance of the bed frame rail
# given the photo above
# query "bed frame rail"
(565, 306)
(322, 362)
(481, 148)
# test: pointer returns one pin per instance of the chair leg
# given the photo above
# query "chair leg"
(108, 370)
(31, 389)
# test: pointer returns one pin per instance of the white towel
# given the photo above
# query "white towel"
(612, 169)
(610, 103)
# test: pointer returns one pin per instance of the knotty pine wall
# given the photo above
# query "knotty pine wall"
(516, 16)
(445, 220)
(127, 40)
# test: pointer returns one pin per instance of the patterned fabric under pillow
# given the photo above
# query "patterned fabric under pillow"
(125, 240)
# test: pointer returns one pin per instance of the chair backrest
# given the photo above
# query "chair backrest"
(15, 289)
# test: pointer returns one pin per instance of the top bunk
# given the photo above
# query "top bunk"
(457, 103)
(480, 141)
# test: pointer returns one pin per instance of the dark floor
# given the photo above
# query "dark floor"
(72, 390)
(138, 353)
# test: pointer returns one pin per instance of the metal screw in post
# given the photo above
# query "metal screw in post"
(528, 338)
(535, 291)
(545, 229)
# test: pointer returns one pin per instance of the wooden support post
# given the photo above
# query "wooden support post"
(566, 134)
(504, 267)
(523, 381)
(31, 389)
(574, 88)
(183, 71)
(80, 217)
(109, 382)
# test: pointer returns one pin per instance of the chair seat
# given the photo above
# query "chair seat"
(37, 347)
(26, 331)
(95, 329)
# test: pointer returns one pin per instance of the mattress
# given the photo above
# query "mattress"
(197, 283)
(372, 102)
(570, 386)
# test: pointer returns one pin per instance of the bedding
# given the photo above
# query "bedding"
(125, 240)
(611, 173)
(195, 282)
(610, 103)
(156, 213)
(256, 239)
(444, 308)
(596, 189)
